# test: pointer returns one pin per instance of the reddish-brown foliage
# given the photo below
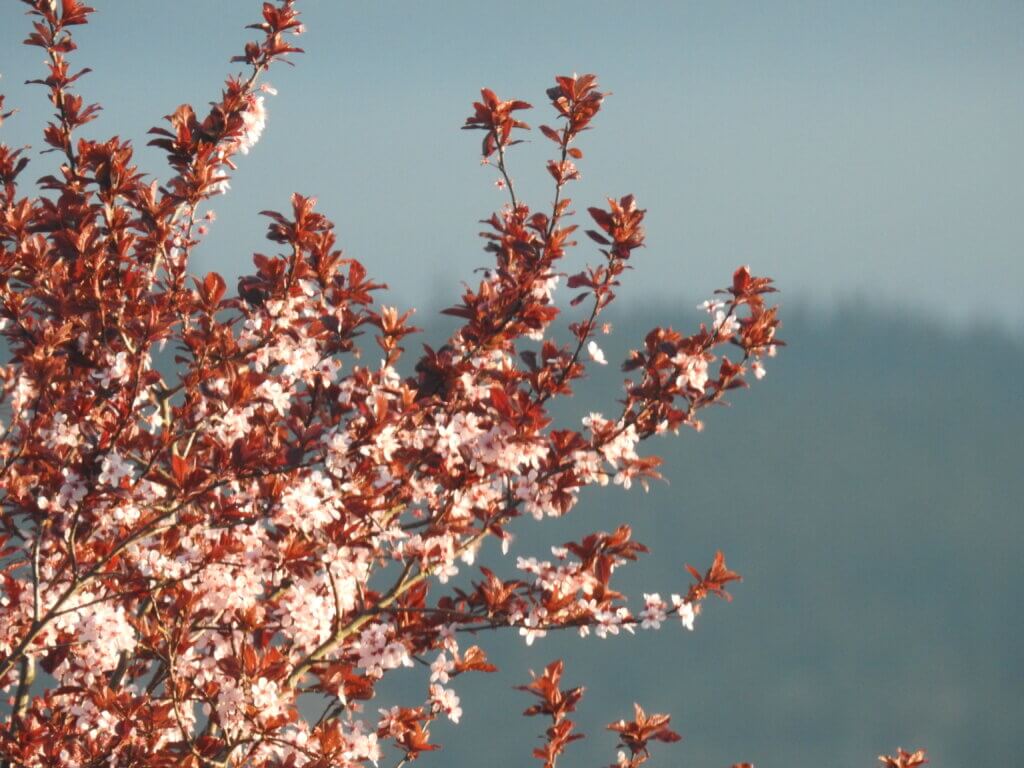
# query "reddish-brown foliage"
(192, 549)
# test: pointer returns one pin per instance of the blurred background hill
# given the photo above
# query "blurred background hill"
(868, 491)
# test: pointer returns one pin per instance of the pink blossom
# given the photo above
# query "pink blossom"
(693, 371)
(447, 701)
(685, 611)
(254, 119)
(532, 625)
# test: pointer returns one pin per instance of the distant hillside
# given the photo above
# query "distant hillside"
(868, 491)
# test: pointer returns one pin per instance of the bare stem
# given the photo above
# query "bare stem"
(504, 171)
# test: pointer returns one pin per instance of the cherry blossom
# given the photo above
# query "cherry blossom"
(287, 508)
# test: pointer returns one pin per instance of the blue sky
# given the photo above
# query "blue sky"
(863, 152)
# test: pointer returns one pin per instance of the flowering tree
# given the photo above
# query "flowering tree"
(214, 562)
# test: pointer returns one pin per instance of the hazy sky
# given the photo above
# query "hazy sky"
(862, 151)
